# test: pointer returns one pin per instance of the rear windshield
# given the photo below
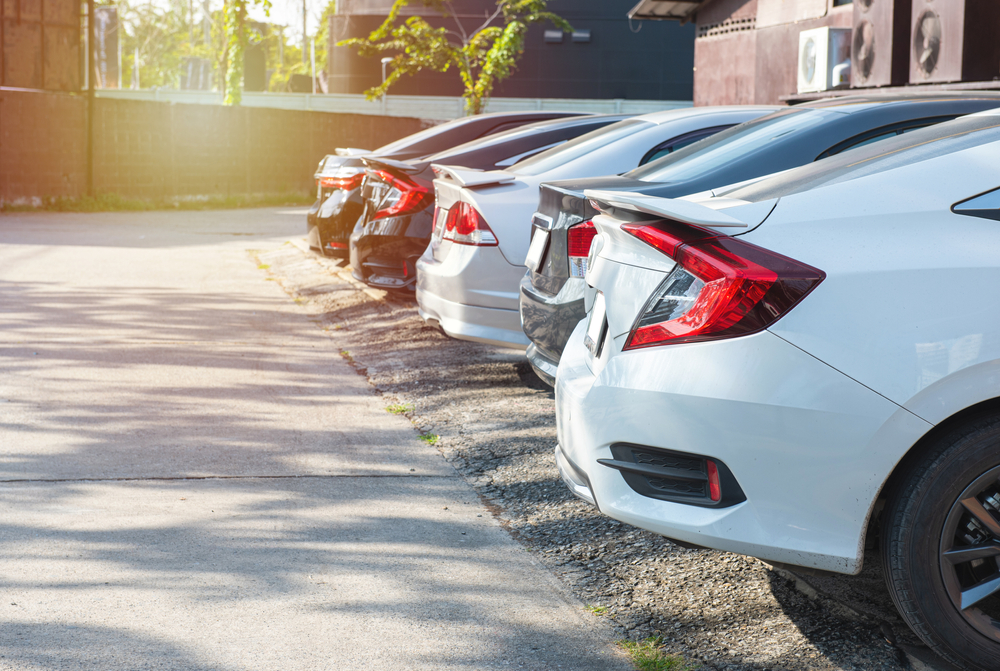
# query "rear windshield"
(723, 148)
(919, 145)
(577, 147)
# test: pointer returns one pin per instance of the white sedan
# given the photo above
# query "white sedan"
(469, 277)
(774, 369)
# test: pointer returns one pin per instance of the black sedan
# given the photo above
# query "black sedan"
(551, 302)
(338, 178)
(399, 196)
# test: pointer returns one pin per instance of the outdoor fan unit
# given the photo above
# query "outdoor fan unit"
(824, 59)
(880, 42)
(954, 40)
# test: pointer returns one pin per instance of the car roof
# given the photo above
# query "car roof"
(852, 104)
(450, 133)
(920, 145)
(667, 116)
(520, 132)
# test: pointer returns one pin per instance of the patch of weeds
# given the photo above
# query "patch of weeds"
(347, 355)
(598, 610)
(429, 438)
(263, 266)
(649, 655)
(400, 408)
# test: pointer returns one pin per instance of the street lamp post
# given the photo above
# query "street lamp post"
(385, 62)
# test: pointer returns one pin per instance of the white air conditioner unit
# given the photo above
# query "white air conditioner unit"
(824, 59)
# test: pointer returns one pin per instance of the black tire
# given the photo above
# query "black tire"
(926, 541)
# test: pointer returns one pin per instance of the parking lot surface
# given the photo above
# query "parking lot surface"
(192, 477)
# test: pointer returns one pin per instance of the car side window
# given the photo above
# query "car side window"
(883, 133)
(675, 143)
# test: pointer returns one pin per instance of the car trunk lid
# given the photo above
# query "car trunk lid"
(623, 270)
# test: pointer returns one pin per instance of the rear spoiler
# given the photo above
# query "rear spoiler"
(350, 151)
(668, 208)
(470, 176)
(380, 163)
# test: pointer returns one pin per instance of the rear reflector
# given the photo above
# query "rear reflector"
(675, 476)
(714, 486)
(465, 226)
(721, 287)
(578, 240)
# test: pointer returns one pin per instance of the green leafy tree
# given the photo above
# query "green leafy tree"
(158, 34)
(237, 33)
(157, 37)
(482, 57)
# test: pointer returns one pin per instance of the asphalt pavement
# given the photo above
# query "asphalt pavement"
(191, 477)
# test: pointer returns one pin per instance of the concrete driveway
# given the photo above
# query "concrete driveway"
(192, 478)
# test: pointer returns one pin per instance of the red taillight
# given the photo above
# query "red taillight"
(714, 485)
(337, 245)
(465, 226)
(578, 239)
(405, 196)
(342, 183)
(721, 287)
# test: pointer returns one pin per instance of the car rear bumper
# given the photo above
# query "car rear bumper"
(808, 446)
(388, 261)
(472, 295)
(548, 321)
(468, 322)
(330, 233)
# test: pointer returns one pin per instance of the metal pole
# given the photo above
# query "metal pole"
(119, 32)
(385, 62)
(312, 58)
(91, 63)
(304, 33)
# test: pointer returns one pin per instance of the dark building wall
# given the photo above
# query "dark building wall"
(739, 63)
(42, 144)
(40, 44)
(650, 61)
(778, 54)
(725, 53)
(156, 150)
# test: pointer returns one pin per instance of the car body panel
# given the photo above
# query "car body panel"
(923, 354)
(564, 204)
(778, 411)
(383, 240)
(333, 216)
(812, 415)
(442, 285)
(507, 200)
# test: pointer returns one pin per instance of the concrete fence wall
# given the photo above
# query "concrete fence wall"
(420, 107)
(158, 149)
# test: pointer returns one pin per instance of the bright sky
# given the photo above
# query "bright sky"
(289, 13)
(283, 13)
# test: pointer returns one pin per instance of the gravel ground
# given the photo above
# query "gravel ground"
(496, 424)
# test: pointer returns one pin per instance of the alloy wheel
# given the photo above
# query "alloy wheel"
(970, 554)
